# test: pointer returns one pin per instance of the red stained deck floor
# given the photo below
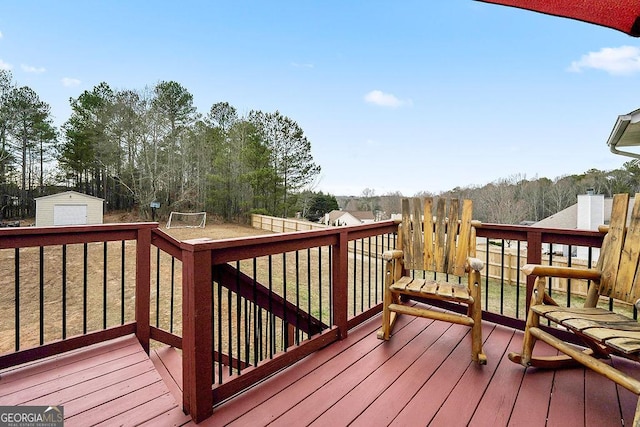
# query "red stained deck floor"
(422, 376)
(112, 383)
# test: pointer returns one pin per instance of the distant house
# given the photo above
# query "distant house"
(342, 218)
(68, 208)
(591, 211)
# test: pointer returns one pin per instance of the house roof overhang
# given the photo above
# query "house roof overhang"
(625, 135)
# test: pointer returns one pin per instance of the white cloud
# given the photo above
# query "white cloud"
(377, 97)
(70, 82)
(32, 69)
(614, 60)
(4, 65)
(301, 65)
(1, 34)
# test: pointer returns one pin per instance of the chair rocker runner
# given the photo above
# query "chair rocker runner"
(441, 250)
(605, 333)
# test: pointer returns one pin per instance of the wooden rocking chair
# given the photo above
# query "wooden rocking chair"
(443, 248)
(605, 333)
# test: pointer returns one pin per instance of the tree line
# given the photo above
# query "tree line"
(135, 147)
(516, 199)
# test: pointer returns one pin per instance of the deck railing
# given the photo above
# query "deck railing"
(240, 309)
(61, 290)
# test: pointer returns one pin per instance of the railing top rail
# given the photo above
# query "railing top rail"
(248, 247)
(43, 236)
(548, 235)
(167, 243)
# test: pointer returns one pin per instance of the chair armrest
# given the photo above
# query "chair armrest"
(564, 272)
(475, 264)
(392, 254)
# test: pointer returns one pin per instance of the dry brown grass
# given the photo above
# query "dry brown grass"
(119, 278)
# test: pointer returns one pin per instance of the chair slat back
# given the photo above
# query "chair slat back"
(439, 243)
(618, 260)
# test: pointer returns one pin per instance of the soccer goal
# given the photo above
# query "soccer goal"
(187, 220)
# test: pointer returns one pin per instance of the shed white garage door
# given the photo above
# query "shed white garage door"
(69, 214)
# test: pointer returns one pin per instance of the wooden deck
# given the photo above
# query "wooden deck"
(112, 383)
(422, 376)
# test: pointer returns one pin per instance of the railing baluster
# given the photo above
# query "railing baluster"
(355, 275)
(229, 330)
(376, 268)
(502, 276)
(122, 282)
(361, 275)
(297, 297)
(85, 270)
(269, 315)
(518, 282)
(220, 348)
(64, 292)
(41, 277)
(256, 341)
(238, 317)
(173, 280)
(285, 334)
(487, 268)
(331, 313)
(569, 280)
(104, 286)
(157, 287)
(309, 288)
(16, 278)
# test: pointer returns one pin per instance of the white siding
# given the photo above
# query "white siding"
(46, 208)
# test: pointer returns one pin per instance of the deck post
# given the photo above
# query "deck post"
(197, 340)
(143, 287)
(534, 256)
(339, 283)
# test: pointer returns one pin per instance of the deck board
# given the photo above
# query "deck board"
(436, 390)
(168, 363)
(567, 398)
(399, 394)
(500, 395)
(601, 400)
(627, 399)
(379, 359)
(475, 380)
(357, 400)
(113, 383)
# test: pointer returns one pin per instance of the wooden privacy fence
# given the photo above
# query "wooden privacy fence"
(283, 225)
(505, 266)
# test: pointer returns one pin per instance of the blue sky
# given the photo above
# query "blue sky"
(394, 96)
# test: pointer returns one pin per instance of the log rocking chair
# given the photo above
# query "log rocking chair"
(605, 333)
(433, 259)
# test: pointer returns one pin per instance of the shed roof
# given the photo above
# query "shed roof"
(69, 192)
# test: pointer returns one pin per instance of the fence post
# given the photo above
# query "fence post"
(197, 340)
(143, 287)
(340, 283)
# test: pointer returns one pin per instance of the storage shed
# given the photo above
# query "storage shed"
(68, 208)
